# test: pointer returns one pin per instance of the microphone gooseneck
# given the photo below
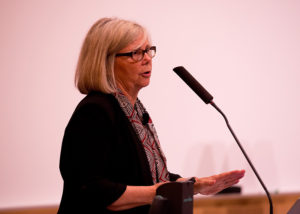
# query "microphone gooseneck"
(207, 98)
(245, 154)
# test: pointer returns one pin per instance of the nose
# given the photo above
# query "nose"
(147, 57)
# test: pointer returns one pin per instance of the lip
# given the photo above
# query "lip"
(146, 74)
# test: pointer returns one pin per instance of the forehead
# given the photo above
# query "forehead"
(141, 42)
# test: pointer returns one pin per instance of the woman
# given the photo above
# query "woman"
(111, 159)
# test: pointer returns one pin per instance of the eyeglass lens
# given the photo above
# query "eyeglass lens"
(139, 54)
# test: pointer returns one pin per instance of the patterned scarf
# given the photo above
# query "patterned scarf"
(147, 135)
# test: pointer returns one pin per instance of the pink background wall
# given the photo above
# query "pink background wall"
(246, 53)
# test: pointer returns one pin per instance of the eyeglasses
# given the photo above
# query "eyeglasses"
(139, 54)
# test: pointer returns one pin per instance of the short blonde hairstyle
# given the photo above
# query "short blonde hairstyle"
(95, 67)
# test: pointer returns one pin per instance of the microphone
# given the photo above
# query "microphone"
(193, 84)
(145, 118)
(207, 98)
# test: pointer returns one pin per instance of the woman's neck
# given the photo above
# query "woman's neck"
(130, 94)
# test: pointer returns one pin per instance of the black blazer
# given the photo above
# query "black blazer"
(100, 155)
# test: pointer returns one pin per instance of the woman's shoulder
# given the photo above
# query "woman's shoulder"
(98, 103)
(98, 99)
(96, 106)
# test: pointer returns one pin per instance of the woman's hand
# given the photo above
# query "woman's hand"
(216, 183)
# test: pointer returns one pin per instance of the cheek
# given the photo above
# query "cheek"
(119, 69)
(124, 75)
(131, 71)
(126, 71)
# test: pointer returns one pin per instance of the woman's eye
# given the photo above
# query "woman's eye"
(137, 52)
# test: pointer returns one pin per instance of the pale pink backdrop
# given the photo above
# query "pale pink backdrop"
(246, 53)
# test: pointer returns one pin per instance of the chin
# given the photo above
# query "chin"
(146, 82)
(143, 85)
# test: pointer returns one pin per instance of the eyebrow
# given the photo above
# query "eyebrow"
(140, 47)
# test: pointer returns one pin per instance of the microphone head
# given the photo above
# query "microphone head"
(193, 84)
(146, 118)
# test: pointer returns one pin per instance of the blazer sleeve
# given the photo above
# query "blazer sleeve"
(174, 177)
(87, 144)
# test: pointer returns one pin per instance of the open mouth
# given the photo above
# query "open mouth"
(146, 74)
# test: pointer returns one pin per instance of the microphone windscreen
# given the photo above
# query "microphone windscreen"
(146, 118)
(193, 84)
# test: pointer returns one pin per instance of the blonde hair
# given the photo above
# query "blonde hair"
(95, 67)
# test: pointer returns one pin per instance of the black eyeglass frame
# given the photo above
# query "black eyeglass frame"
(143, 52)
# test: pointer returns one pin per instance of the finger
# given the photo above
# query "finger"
(205, 181)
(229, 179)
(235, 173)
(238, 174)
(229, 184)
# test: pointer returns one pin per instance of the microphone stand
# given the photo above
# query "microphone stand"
(245, 154)
(207, 98)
